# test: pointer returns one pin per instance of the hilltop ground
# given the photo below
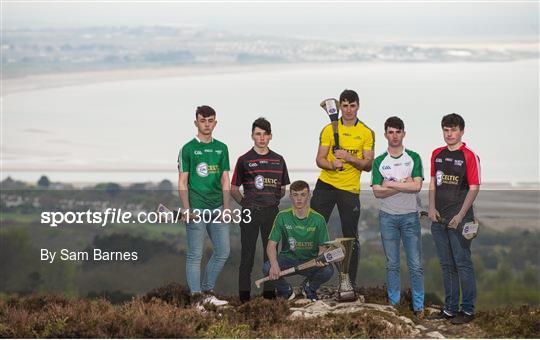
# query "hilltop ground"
(170, 312)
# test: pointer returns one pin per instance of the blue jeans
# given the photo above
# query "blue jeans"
(406, 228)
(219, 235)
(315, 276)
(454, 253)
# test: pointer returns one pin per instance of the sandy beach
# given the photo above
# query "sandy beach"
(66, 79)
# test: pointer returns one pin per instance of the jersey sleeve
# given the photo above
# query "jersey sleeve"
(369, 143)
(472, 162)
(433, 156)
(326, 137)
(285, 176)
(417, 170)
(275, 233)
(376, 176)
(183, 159)
(225, 160)
(238, 175)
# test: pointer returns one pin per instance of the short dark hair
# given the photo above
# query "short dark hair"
(263, 124)
(349, 95)
(394, 122)
(453, 120)
(205, 111)
(299, 186)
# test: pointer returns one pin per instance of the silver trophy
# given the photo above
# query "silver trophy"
(345, 291)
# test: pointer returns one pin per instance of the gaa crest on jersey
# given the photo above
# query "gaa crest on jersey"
(259, 182)
(202, 169)
(439, 177)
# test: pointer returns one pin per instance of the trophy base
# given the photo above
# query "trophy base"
(347, 296)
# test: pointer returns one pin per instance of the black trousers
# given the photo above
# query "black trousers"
(262, 220)
(325, 197)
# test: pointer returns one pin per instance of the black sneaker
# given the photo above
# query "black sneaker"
(442, 315)
(462, 318)
(244, 295)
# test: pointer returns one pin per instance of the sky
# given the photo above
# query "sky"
(403, 20)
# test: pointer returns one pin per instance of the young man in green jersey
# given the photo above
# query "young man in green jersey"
(204, 189)
(303, 234)
(397, 177)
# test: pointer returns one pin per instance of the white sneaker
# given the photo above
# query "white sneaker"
(211, 299)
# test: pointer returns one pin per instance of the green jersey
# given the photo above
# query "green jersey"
(301, 237)
(205, 163)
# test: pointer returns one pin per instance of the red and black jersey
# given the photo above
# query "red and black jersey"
(262, 177)
(454, 172)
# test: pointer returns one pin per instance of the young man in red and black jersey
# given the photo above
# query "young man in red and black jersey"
(263, 175)
(455, 183)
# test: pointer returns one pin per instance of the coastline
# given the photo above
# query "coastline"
(77, 78)
(47, 81)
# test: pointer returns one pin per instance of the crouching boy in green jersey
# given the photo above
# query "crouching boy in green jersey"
(303, 233)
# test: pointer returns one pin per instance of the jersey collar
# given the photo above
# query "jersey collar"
(388, 152)
(198, 140)
(463, 145)
(355, 123)
(258, 154)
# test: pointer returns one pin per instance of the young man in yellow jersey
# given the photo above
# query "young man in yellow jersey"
(339, 181)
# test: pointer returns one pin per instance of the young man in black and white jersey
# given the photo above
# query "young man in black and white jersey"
(263, 175)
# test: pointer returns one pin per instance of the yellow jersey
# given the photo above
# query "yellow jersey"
(354, 139)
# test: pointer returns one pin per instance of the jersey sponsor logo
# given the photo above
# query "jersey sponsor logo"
(441, 178)
(304, 245)
(271, 182)
(386, 167)
(292, 243)
(252, 165)
(438, 160)
(288, 226)
(208, 150)
(263, 162)
(458, 162)
(219, 152)
(311, 229)
(353, 152)
(448, 159)
(397, 164)
(449, 179)
(259, 182)
(346, 134)
(202, 169)
(197, 152)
